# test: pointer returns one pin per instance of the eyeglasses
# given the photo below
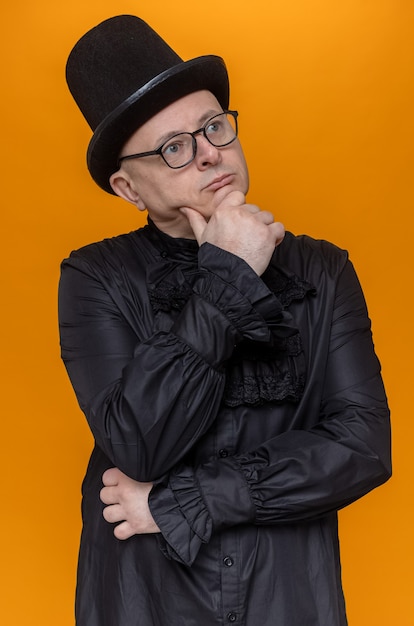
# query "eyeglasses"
(178, 151)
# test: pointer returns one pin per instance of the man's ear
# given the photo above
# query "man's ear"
(123, 186)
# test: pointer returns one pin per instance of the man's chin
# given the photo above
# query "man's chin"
(222, 193)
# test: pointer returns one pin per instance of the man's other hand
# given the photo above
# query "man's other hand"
(127, 503)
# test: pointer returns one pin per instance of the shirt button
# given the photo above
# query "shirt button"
(228, 561)
(231, 617)
(223, 453)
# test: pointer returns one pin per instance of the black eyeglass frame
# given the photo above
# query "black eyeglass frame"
(193, 134)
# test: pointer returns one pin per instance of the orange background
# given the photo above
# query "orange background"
(325, 91)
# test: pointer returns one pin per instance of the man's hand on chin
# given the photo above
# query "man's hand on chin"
(240, 228)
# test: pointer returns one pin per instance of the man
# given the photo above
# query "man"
(226, 368)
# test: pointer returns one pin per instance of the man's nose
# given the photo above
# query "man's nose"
(206, 154)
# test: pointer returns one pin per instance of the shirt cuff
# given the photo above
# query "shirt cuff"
(191, 505)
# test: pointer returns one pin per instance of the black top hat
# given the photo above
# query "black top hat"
(120, 74)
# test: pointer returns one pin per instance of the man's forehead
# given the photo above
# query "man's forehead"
(186, 114)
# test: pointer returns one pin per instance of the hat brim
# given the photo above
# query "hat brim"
(206, 72)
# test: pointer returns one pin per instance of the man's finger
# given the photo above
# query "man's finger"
(123, 531)
(109, 495)
(252, 208)
(197, 222)
(278, 231)
(235, 198)
(264, 216)
(113, 513)
(110, 477)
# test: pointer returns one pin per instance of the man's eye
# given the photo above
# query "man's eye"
(172, 148)
(213, 127)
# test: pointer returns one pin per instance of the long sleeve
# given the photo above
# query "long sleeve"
(301, 474)
(149, 395)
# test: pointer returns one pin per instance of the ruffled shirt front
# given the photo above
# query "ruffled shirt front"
(256, 372)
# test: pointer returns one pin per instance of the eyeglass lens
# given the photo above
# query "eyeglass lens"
(220, 130)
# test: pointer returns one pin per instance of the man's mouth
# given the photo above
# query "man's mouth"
(219, 182)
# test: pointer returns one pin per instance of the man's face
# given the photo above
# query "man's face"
(202, 184)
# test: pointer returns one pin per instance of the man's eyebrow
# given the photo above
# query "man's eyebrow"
(201, 120)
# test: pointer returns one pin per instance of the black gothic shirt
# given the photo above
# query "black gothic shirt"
(255, 405)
